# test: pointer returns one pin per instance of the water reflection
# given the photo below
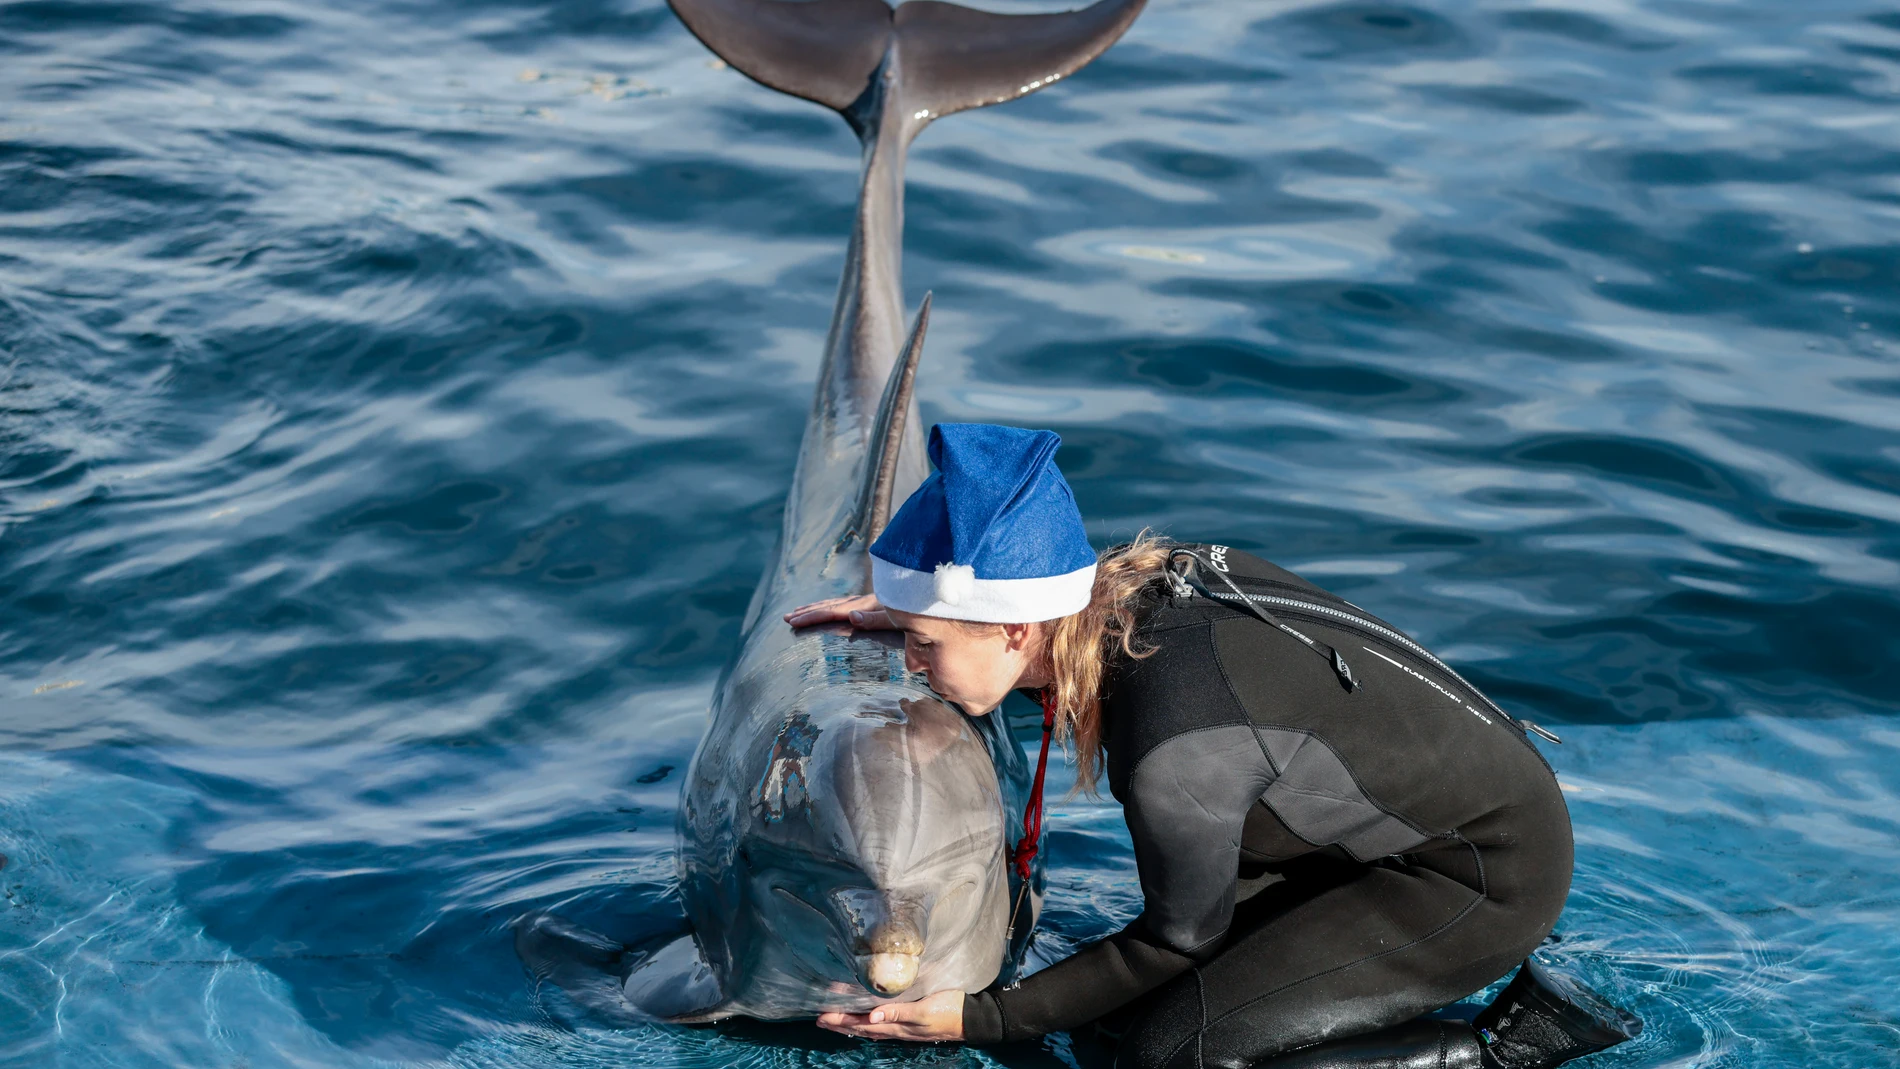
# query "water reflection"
(390, 442)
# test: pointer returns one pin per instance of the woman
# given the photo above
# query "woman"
(1334, 833)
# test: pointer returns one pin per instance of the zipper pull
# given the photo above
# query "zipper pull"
(1344, 672)
(1176, 573)
(1177, 586)
(1541, 732)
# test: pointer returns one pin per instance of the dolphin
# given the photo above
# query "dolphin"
(844, 833)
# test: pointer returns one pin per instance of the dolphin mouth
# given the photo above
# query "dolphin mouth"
(887, 930)
(889, 973)
(895, 949)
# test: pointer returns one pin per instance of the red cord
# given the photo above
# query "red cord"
(1025, 851)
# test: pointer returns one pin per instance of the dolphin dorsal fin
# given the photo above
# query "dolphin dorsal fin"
(887, 434)
(950, 58)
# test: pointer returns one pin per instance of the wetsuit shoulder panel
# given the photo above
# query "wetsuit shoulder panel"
(1147, 703)
(1245, 566)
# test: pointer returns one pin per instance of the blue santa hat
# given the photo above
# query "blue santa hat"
(992, 535)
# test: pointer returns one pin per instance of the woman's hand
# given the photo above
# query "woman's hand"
(936, 1019)
(860, 611)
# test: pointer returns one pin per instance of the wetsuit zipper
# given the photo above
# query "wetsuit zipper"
(1374, 630)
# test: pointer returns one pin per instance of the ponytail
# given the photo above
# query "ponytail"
(1082, 646)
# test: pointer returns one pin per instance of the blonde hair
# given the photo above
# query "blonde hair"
(1082, 646)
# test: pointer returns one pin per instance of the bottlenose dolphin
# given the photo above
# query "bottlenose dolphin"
(843, 832)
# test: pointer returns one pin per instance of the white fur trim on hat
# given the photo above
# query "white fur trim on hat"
(954, 592)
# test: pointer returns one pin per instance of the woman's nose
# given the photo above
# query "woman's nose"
(912, 662)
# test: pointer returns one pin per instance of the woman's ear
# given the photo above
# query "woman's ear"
(1017, 637)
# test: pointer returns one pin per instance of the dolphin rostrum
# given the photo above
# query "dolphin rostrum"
(843, 832)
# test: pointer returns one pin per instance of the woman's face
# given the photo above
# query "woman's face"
(974, 665)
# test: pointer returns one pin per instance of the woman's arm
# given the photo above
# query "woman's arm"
(859, 610)
(1089, 984)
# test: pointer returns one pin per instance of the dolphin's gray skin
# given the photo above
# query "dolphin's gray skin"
(843, 832)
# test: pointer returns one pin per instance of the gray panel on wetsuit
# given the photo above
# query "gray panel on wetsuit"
(1190, 800)
(1318, 799)
(1191, 795)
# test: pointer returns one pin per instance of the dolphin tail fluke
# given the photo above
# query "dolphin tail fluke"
(955, 58)
(947, 58)
(887, 434)
(822, 50)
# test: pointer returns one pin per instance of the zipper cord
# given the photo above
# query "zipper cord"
(1025, 849)
(1331, 656)
(1393, 636)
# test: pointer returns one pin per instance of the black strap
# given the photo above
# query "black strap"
(1188, 577)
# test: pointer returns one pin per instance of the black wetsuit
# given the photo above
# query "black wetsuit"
(1315, 862)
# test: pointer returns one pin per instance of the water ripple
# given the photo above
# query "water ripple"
(397, 401)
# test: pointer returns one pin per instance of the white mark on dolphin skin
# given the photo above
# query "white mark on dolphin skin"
(1155, 252)
(61, 685)
(784, 786)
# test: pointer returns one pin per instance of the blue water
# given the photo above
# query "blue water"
(397, 400)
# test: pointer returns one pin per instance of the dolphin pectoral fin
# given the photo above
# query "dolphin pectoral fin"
(584, 965)
(610, 980)
(545, 939)
(673, 983)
